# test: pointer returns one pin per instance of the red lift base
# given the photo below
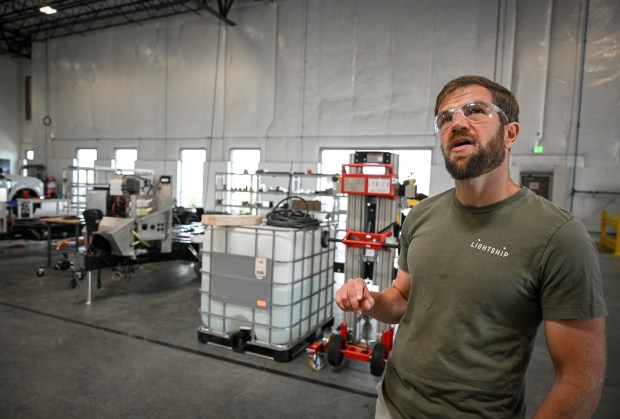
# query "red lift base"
(338, 347)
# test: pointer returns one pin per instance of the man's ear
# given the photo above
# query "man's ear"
(511, 132)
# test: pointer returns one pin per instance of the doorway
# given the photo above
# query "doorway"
(540, 183)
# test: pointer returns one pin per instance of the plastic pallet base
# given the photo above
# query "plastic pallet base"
(278, 355)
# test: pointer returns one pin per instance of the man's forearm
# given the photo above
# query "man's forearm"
(577, 349)
(389, 306)
(566, 400)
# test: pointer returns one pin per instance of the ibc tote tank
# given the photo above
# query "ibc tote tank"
(276, 281)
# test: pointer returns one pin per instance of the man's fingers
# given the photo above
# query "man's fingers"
(346, 298)
(360, 292)
(353, 296)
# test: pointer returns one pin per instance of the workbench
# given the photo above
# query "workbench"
(52, 222)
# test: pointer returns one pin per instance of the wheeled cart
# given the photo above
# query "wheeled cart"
(265, 290)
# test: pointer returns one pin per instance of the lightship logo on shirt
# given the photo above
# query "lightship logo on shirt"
(478, 245)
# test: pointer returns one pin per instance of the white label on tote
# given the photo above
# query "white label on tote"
(260, 267)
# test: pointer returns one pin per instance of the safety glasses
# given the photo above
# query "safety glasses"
(475, 111)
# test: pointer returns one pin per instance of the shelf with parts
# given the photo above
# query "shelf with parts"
(258, 193)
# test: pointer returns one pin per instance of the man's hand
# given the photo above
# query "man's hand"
(387, 306)
(354, 296)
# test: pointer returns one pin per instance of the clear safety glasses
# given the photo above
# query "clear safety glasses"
(475, 111)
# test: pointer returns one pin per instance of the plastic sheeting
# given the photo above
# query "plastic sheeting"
(334, 73)
(290, 68)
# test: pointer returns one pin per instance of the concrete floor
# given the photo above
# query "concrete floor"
(134, 352)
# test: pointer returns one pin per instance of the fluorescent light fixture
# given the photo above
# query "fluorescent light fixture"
(48, 10)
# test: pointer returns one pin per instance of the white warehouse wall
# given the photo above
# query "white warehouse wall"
(295, 76)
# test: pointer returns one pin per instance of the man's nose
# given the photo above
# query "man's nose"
(459, 121)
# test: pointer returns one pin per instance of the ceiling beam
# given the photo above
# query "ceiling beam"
(21, 23)
(223, 6)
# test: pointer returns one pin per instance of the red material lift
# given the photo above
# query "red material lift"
(366, 188)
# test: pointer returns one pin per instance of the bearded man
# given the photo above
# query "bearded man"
(481, 267)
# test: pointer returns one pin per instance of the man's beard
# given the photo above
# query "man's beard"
(483, 161)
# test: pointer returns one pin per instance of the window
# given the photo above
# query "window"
(28, 157)
(415, 164)
(191, 177)
(125, 158)
(82, 177)
(244, 160)
(85, 157)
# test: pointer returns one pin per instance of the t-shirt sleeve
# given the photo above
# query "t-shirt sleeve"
(570, 275)
(405, 238)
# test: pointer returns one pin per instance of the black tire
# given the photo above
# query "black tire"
(335, 350)
(325, 239)
(378, 359)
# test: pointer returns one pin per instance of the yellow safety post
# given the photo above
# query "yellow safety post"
(606, 241)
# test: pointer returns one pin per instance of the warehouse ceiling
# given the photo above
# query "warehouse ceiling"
(22, 22)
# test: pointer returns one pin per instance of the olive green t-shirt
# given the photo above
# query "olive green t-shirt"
(483, 279)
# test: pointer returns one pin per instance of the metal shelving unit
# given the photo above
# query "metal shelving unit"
(261, 191)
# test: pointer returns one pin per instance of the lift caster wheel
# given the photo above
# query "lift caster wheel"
(41, 271)
(316, 362)
(378, 359)
(335, 350)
